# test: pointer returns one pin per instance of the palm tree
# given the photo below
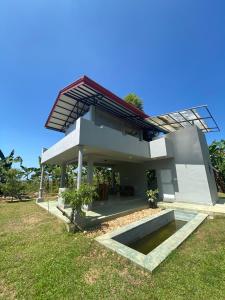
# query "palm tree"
(27, 172)
(6, 163)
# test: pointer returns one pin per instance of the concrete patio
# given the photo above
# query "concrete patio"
(213, 210)
(101, 210)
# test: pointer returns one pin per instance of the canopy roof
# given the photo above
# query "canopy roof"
(74, 100)
(199, 116)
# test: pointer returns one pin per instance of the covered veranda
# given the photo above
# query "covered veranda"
(115, 204)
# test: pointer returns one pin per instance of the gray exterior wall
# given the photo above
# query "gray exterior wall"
(188, 176)
(181, 158)
(133, 174)
(106, 138)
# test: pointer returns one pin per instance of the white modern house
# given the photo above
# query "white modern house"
(102, 129)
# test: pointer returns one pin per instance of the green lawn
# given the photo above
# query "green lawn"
(40, 260)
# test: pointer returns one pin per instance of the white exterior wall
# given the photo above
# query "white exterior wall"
(161, 148)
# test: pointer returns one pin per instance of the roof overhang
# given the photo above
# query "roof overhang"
(74, 101)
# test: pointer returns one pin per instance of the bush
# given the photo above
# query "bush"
(77, 198)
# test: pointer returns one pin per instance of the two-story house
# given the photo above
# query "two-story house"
(102, 129)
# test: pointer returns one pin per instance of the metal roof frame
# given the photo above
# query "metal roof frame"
(177, 123)
(74, 100)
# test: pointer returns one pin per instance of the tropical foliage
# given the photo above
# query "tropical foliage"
(152, 197)
(76, 198)
(217, 156)
(134, 100)
(13, 186)
(10, 178)
(16, 179)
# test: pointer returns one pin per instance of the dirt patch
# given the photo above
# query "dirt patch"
(25, 222)
(6, 291)
(131, 279)
(32, 219)
(121, 221)
(92, 276)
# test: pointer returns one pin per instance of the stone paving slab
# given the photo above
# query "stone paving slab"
(217, 209)
(101, 213)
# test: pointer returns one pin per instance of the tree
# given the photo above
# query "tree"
(217, 156)
(134, 100)
(13, 186)
(27, 172)
(6, 163)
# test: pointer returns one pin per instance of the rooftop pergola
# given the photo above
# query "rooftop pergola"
(199, 116)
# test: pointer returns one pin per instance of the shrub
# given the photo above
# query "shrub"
(152, 197)
(77, 198)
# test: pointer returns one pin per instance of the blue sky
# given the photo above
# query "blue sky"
(169, 52)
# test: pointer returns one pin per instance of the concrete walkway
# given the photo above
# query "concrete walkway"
(102, 211)
(217, 209)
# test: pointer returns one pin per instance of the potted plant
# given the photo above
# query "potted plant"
(152, 197)
(77, 198)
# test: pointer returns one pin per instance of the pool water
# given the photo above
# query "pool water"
(154, 239)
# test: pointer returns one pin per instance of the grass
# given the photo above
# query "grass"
(40, 260)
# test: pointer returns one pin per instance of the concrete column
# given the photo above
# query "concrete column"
(62, 187)
(80, 165)
(41, 189)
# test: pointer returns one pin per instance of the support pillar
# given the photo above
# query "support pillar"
(41, 189)
(62, 186)
(80, 165)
